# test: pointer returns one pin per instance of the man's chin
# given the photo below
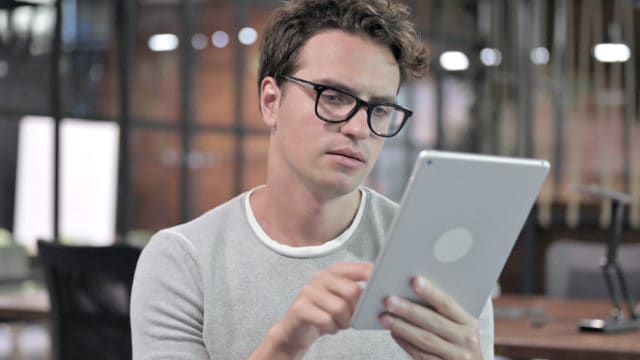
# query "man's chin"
(342, 185)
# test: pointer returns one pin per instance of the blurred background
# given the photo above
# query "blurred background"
(122, 117)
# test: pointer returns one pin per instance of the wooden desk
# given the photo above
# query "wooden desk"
(25, 306)
(538, 327)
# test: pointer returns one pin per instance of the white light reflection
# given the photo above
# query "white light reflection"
(612, 52)
(199, 41)
(454, 61)
(220, 39)
(540, 56)
(490, 57)
(163, 42)
(247, 36)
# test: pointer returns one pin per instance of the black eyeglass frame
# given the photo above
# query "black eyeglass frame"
(319, 88)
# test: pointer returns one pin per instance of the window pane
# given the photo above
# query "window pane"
(88, 173)
(217, 66)
(211, 164)
(422, 12)
(214, 74)
(88, 180)
(33, 217)
(25, 60)
(156, 73)
(156, 178)
(89, 66)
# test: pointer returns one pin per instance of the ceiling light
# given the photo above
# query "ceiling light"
(163, 42)
(540, 56)
(220, 39)
(612, 52)
(454, 61)
(199, 41)
(490, 57)
(247, 36)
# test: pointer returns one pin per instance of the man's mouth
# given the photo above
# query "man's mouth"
(349, 153)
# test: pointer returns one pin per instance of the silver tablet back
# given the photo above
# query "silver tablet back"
(458, 221)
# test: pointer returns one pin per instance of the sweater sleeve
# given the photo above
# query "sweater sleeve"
(485, 330)
(167, 301)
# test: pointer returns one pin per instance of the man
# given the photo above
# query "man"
(274, 273)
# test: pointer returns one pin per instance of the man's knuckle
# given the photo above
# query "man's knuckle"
(471, 340)
(426, 340)
(338, 307)
(435, 321)
(307, 290)
(317, 277)
(321, 320)
(352, 290)
(474, 323)
(298, 307)
(336, 267)
(343, 307)
(326, 324)
(446, 303)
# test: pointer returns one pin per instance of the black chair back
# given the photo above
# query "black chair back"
(90, 288)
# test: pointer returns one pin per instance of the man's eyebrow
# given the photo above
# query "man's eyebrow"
(346, 88)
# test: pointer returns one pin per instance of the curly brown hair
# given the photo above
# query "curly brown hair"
(385, 21)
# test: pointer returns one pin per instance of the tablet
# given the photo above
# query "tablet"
(459, 218)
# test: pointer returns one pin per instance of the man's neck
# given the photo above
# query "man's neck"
(298, 217)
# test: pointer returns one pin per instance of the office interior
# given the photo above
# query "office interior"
(122, 117)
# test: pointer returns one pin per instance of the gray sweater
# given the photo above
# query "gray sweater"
(212, 288)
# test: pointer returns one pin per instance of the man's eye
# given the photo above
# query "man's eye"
(381, 110)
(332, 97)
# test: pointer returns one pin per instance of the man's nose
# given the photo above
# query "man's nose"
(357, 126)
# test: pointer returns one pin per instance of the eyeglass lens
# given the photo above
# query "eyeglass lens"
(338, 106)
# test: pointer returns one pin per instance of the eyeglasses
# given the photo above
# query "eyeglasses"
(334, 105)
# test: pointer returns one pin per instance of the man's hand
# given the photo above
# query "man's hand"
(324, 306)
(444, 330)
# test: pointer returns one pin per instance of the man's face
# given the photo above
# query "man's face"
(331, 159)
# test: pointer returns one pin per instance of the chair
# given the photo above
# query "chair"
(89, 289)
(573, 270)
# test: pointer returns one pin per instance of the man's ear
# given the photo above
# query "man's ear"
(269, 101)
